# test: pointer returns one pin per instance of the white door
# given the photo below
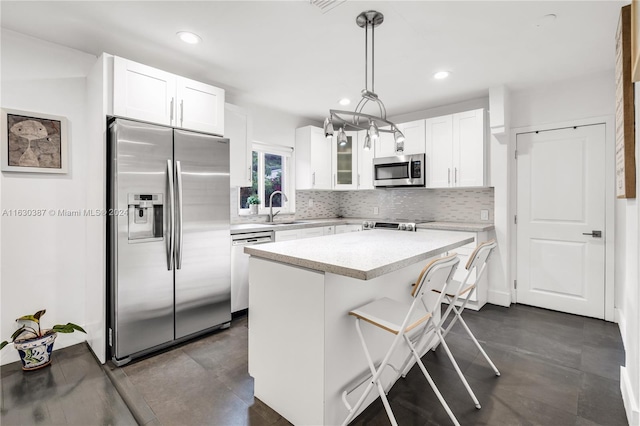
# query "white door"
(560, 202)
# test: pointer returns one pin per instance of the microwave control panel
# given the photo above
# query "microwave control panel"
(416, 171)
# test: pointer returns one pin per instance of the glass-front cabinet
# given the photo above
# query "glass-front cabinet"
(345, 162)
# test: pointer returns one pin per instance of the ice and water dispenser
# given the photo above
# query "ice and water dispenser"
(145, 217)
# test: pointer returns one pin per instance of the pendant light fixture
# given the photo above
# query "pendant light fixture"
(373, 124)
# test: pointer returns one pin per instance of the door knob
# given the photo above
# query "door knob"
(594, 234)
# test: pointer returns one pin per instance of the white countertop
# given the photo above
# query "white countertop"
(241, 228)
(457, 226)
(361, 255)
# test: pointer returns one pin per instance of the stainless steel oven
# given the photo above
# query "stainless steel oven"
(401, 170)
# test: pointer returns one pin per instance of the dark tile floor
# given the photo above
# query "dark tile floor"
(557, 369)
(73, 390)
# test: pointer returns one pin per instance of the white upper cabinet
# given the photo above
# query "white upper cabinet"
(345, 162)
(365, 163)
(200, 106)
(468, 148)
(238, 130)
(414, 140)
(145, 93)
(313, 159)
(439, 134)
(455, 148)
(385, 145)
(414, 137)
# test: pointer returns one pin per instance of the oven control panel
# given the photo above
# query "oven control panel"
(394, 226)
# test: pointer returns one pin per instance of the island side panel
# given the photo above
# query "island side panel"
(286, 339)
(345, 361)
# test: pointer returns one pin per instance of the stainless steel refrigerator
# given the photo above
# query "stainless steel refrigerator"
(169, 244)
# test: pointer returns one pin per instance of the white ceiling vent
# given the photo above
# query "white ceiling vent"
(326, 5)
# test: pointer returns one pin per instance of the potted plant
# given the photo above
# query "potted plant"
(35, 344)
(253, 201)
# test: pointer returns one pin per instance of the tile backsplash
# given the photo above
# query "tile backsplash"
(450, 205)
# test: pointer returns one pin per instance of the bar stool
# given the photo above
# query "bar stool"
(410, 322)
(455, 290)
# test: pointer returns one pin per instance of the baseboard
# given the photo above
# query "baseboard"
(628, 398)
(501, 298)
(622, 325)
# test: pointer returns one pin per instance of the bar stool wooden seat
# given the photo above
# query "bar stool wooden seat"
(456, 290)
(410, 323)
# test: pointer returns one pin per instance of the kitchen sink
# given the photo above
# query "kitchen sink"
(294, 222)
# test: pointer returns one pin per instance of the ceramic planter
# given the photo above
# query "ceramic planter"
(253, 208)
(35, 352)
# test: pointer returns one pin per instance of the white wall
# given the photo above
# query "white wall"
(627, 275)
(578, 98)
(42, 261)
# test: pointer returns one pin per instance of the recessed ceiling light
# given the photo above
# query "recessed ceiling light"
(344, 101)
(188, 37)
(441, 75)
(545, 21)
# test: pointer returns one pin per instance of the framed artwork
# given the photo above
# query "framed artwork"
(625, 112)
(33, 142)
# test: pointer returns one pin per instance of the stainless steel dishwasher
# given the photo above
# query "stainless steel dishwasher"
(240, 266)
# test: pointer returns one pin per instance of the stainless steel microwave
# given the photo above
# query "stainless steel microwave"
(401, 170)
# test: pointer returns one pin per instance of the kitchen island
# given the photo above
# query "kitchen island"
(303, 347)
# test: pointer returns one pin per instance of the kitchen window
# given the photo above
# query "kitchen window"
(270, 172)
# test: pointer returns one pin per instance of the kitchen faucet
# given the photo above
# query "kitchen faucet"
(271, 215)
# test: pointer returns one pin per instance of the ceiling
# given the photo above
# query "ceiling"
(295, 57)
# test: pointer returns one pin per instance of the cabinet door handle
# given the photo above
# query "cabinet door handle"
(171, 112)
(449, 176)
(358, 180)
(335, 180)
(249, 175)
(594, 234)
(181, 111)
(313, 179)
(455, 175)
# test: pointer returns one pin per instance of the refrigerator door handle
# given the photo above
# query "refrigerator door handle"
(170, 240)
(179, 215)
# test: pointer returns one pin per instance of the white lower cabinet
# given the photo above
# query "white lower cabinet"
(341, 229)
(298, 234)
(479, 297)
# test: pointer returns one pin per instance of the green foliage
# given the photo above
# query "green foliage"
(35, 318)
(253, 199)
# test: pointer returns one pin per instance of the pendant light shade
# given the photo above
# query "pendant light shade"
(398, 137)
(374, 133)
(367, 143)
(328, 128)
(342, 137)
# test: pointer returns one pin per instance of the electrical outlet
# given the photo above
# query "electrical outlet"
(376, 210)
(310, 203)
(484, 214)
